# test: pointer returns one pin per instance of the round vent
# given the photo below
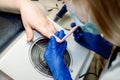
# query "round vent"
(37, 57)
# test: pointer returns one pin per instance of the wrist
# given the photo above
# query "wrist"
(62, 73)
(12, 6)
(23, 3)
(62, 76)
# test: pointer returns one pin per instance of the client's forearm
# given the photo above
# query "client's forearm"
(11, 5)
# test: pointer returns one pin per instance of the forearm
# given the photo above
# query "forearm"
(11, 5)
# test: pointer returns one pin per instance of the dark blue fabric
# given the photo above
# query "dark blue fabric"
(62, 11)
(93, 42)
(10, 26)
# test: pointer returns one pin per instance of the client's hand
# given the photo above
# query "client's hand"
(33, 18)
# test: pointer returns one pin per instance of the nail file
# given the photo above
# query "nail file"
(67, 35)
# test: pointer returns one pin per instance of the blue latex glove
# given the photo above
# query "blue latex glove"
(93, 42)
(54, 58)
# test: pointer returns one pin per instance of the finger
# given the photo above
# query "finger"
(73, 24)
(52, 42)
(62, 48)
(57, 33)
(61, 34)
(45, 30)
(52, 27)
(29, 33)
(80, 29)
(78, 37)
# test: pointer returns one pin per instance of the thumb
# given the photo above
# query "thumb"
(73, 24)
(52, 42)
(79, 30)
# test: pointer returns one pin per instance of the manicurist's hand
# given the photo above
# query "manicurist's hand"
(93, 42)
(54, 57)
